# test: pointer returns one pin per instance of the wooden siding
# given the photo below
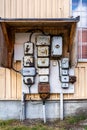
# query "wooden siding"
(34, 8)
(11, 85)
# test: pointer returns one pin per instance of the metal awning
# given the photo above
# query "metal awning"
(49, 22)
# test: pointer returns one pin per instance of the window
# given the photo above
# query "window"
(79, 7)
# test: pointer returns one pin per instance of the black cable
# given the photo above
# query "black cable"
(17, 71)
(34, 31)
(59, 69)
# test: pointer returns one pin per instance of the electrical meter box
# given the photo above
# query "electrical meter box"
(43, 62)
(56, 48)
(28, 61)
(28, 48)
(28, 80)
(65, 72)
(43, 79)
(65, 85)
(65, 79)
(65, 63)
(44, 88)
(43, 51)
(43, 71)
(43, 40)
(29, 71)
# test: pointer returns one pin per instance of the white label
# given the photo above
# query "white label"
(43, 79)
(43, 51)
(43, 62)
(43, 71)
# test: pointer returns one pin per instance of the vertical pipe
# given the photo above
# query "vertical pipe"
(23, 110)
(44, 112)
(61, 106)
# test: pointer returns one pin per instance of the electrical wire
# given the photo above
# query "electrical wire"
(59, 69)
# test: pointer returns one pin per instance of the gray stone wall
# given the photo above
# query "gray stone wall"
(12, 109)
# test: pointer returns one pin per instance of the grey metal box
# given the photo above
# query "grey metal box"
(65, 72)
(28, 48)
(29, 71)
(43, 51)
(56, 48)
(43, 62)
(28, 61)
(65, 79)
(65, 63)
(28, 80)
(43, 40)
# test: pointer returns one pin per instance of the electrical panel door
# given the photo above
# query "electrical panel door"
(28, 48)
(43, 51)
(28, 61)
(29, 71)
(43, 62)
(56, 48)
(43, 40)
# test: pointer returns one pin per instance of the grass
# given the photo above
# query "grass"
(50, 125)
(75, 119)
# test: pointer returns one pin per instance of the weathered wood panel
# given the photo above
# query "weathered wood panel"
(34, 8)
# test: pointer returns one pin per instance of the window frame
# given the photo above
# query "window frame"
(79, 59)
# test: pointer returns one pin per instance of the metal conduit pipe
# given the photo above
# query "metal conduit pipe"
(23, 108)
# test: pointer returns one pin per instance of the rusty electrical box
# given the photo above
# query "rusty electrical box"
(43, 88)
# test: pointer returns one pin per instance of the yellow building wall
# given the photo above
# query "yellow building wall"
(11, 85)
(10, 81)
(34, 8)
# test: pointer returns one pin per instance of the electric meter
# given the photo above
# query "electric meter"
(43, 71)
(43, 79)
(28, 48)
(28, 80)
(43, 40)
(43, 51)
(28, 61)
(56, 48)
(29, 71)
(43, 62)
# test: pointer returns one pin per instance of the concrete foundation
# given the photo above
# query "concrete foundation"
(12, 109)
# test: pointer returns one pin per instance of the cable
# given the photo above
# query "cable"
(17, 71)
(59, 69)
